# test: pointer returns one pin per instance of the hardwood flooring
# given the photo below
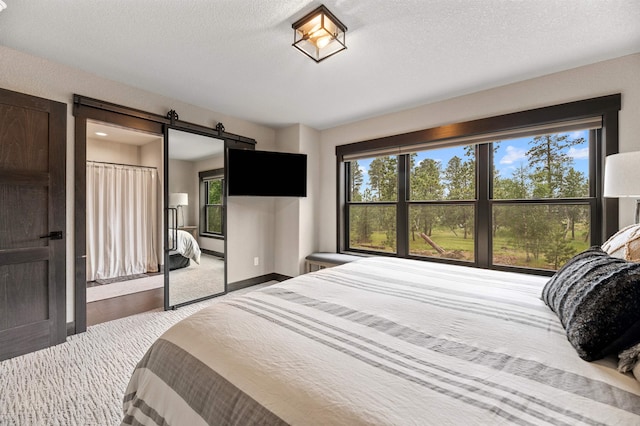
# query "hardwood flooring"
(123, 306)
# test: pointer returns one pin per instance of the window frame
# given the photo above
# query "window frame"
(604, 220)
(385, 203)
(204, 178)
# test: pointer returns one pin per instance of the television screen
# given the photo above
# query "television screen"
(266, 173)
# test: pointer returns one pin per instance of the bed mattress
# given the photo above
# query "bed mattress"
(379, 341)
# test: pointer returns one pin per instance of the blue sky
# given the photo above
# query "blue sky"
(510, 155)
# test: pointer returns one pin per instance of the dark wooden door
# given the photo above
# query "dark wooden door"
(32, 223)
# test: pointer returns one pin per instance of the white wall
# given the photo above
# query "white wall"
(310, 140)
(39, 77)
(112, 152)
(287, 214)
(252, 234)
(620, 75)
(296, 224)
(181, 180)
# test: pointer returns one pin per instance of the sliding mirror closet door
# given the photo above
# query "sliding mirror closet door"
(195, 263)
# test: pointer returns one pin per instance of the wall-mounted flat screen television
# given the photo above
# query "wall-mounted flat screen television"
(266, 173)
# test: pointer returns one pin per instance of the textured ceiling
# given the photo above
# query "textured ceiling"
(235, 56)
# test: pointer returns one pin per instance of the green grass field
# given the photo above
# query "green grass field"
(457, 247)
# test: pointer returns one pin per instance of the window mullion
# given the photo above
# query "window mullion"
(346, 224)
(483, 246)
(596, 173)
(402, 210)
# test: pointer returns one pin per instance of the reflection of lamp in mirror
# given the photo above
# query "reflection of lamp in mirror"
(179, 199)
(622, 177)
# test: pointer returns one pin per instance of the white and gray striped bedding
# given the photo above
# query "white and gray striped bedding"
(379, 341)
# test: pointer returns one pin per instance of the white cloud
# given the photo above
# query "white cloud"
(513, 155)
(578, 154)
(577, 134)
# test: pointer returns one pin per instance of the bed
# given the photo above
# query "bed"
(379, 341)
(185, 249)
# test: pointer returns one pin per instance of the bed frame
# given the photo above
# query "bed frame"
(177, 261)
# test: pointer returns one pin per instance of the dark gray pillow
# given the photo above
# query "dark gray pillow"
(597, 298)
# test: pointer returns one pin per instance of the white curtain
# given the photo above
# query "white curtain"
(122, 220)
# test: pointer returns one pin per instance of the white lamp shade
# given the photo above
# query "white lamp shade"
(622, 175)
(178, 199)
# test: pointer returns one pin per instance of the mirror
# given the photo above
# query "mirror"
(195, 261)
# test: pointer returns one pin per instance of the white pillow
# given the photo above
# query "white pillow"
(628, 359)
(625, 244)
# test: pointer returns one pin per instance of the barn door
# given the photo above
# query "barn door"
(32, 223)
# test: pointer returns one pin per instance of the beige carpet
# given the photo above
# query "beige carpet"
(196, 281)
(190, 283)
(82, 381)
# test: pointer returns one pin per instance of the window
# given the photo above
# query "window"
(442, 202)
(373, 197)
(524, 198)
(212, 214)
(542, 199)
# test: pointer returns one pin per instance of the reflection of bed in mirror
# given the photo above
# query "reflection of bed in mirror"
(186, 248)
(196, 261)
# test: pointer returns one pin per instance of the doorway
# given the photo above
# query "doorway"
(124, 217)
(86, 117)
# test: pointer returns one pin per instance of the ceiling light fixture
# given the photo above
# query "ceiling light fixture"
(99, 133)
(319, 34)
(3, 5)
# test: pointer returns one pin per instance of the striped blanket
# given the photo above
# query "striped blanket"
(379, 341)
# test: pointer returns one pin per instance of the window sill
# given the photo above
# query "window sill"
(213, 236)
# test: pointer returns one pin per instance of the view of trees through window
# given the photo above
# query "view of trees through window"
(539, 202)
(549, 167)
(213, 206)
(372, 223)
(438, 229)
